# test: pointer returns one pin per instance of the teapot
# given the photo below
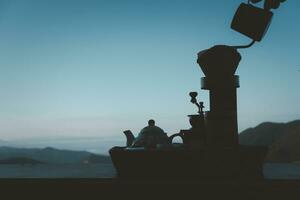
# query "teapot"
(149, 137)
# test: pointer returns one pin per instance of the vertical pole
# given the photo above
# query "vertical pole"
(219, 64)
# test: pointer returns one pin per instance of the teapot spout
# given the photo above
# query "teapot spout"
(130, 138)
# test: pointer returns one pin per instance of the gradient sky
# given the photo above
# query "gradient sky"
(89, 68)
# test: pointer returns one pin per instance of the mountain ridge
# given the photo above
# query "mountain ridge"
(283, 140)
(51, 155)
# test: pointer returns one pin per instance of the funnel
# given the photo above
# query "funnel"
(219, 61)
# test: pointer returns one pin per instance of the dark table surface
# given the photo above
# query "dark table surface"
(154, 189)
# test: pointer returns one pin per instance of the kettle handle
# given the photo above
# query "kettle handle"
(175, 135)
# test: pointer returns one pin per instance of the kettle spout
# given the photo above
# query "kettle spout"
(130, 138)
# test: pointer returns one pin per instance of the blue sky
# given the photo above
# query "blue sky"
(89, 68)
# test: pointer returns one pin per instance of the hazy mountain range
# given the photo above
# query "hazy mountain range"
(283, 140)
(97, 145)
(10, 155)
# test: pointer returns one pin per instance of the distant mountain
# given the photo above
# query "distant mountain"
(20, 161)
(283, 140)
(263, 134)
(3, 142)
(51, 155)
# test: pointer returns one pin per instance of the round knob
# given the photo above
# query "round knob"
(193, 94)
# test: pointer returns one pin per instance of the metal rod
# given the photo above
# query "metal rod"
(244, 46)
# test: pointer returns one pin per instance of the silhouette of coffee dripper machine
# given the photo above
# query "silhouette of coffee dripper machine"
(210, 147)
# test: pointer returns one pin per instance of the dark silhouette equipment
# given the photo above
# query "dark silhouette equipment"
(210, 148)
(252, 21)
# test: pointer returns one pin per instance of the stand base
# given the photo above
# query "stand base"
(204, 163)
